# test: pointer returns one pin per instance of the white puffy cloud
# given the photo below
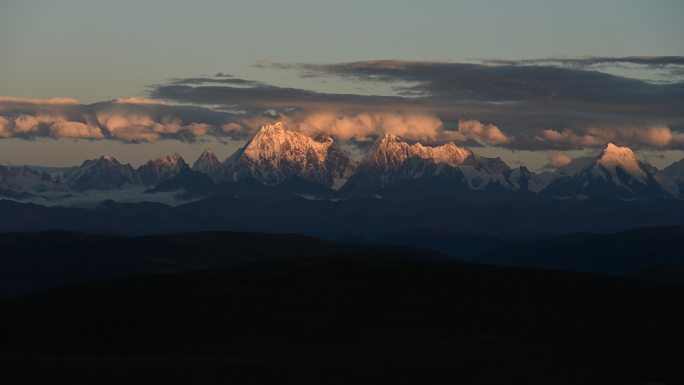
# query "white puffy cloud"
(245, 125)
(365, 126)
(484, 133)
(119, 126)
(125, 119)
(28, 123)
(129, 128)
(144, 128)
(69, 129)
(5, 131)
(47, 125)
(199, 129)
(145, 120)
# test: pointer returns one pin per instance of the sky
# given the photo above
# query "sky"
(401, 66)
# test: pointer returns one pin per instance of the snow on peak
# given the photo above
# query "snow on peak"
(107, 158)
(448, 153)
(208, 163)
(389, 138)
(207, 156)
(102, 161)
(614, 157)
(277, 126)
(171, 159)
(606, 165)
(390, 151)
(162, 169)
(274, 142)
(392, 159)
(103, 173)
(277, 153)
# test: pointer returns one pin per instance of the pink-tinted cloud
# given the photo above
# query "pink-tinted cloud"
(657, 136)
(29, 123)
(245, 126)
(127, 120)
(47, 125)
(199, 129)
(365, 126)
(5, 131)
(557, 159)
(136, 100)
(70, 129)
(144, 128)
(129, 128)
(345, 117)
(484, 133)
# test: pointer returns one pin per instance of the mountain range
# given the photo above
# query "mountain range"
(284, 161)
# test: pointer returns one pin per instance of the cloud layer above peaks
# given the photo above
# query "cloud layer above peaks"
(549, 104)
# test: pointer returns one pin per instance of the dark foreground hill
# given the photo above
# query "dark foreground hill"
(647, 252)
(348, 321)
(369, 217)
(34, 261)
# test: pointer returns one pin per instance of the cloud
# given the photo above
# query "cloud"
(39, 102)
(199, 129)
(136, 100)
(262, 97)
(557, 159)
(654, 137)
(652, 69)
(245, 126)
(129, 128)
(126, 119)
(467, 81)
(28, 123)
(69, 129)
(484, 133)
(48, 126)
(366, 126)
(5, 128)
(521, 105)
(588, 60)
(526, 98)
(222, 79)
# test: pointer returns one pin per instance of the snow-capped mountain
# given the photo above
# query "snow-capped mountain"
(101, 174)
(162, 169)
(280, 161)
(671, 178)
(520, 178)
(615, 171)
(276, 154)
(23, 179)
(208, 164)
(391, 152)
(8, 173)
(392, 160)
